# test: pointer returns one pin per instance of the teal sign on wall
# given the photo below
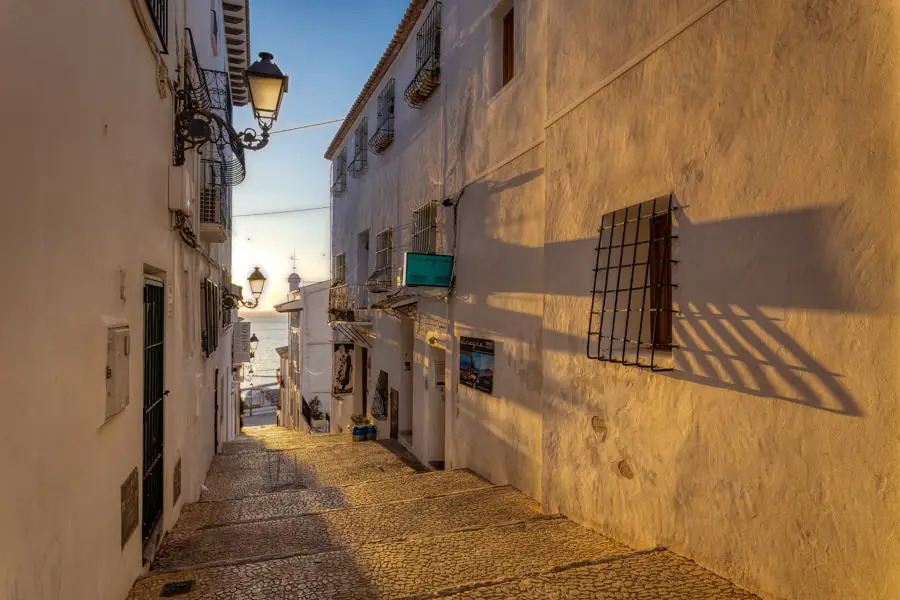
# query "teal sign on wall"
(428, 270)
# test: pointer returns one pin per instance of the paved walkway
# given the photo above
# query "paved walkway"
(293, 516)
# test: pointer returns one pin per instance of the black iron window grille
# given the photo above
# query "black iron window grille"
(211, 319)
(159, 13)
(428, 59)
(384, 133)
(631, 300)
(215, 193)
(384, 261)
(340, 269)
(339, 174)
(360, 149)
(423, 229)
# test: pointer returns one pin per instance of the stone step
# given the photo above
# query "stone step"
(285, 504)
(383, 570)
(281, 471)
(656, 575)
(258, 442)
(330, 530)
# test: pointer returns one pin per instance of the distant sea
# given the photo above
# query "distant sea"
(272, 331)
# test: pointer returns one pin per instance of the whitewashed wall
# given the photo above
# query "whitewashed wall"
(86, 214)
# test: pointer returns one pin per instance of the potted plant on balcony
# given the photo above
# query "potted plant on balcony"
(360, 427)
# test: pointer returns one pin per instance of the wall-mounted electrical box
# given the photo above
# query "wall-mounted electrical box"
(118, 350)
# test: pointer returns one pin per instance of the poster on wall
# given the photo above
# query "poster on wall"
(476, 364)
(342, 370)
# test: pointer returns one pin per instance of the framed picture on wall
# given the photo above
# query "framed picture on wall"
(476, 364)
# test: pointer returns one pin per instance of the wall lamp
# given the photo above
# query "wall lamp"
(231, 301)
(254, 343)
(196, 124)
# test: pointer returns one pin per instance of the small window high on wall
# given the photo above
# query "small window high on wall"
(631, 301)
(509, 46)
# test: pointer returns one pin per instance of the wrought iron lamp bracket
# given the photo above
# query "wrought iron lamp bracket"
(195, 126)
(232, 301)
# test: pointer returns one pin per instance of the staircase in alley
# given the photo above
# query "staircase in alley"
(289, 515)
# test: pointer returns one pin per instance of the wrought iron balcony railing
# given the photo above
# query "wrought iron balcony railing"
(348, 303)
(384, 133)
(428, 60)
(359, 164)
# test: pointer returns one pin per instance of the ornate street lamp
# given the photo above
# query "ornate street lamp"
(195, 125)
(257, 283)
(254, 344)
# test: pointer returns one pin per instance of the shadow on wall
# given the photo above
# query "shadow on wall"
(808, 259)
(734, 274)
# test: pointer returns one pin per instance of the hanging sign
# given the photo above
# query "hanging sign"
(342, 370)
(427, 270)
(240, 343)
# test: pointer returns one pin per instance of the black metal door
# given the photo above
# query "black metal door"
(154, 396)
(216, 417)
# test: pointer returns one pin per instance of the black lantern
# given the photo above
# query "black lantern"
(257, 283)
(267, 86)
(254, 343)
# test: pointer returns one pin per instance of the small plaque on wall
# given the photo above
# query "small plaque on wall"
(176, 482)
(130, 513)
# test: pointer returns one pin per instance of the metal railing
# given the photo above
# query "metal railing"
(348, 303)
(428, 59)
(384, 134)
(159, 12)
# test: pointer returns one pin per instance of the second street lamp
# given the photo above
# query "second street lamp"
(254, 343)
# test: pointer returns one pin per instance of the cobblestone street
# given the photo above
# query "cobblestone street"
(291, 516)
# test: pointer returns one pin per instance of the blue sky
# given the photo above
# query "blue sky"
(329, 48)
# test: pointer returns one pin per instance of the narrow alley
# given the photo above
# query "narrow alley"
(288, 515)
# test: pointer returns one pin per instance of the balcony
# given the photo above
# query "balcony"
(348, 304)
(428, 60)
(384, 134)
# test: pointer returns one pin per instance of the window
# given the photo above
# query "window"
(210, 316)
(360, 149)
(384, 259)
(339, 173)
(340, 269)
(631, 302)
(428, 59)
(509, 46)
(424, 229)
(384, 133)
(159, 12)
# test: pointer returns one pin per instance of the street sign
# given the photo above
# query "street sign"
(240, 343)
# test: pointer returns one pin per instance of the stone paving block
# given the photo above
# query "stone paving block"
(347, 527)
(284, 504)
(658, 575)
(397, 569)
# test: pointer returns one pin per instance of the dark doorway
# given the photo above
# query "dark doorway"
(365, 381)
(395, 414)
(154, 398)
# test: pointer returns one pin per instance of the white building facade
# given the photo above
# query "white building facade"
(306, 370)
(118, 360)
(669, 315)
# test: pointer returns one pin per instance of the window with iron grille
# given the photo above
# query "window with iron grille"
(360, 149)
(339, 173)
(631, 301)
(428, 59)
(210, 318)
(384, 132)
(384, 259)
(340, 269)
(159, 13)
(423, 232)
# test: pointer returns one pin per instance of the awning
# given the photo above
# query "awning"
(290, 306)
(282, 351)
(352, 334)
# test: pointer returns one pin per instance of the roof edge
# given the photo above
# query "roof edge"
(413, 11)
